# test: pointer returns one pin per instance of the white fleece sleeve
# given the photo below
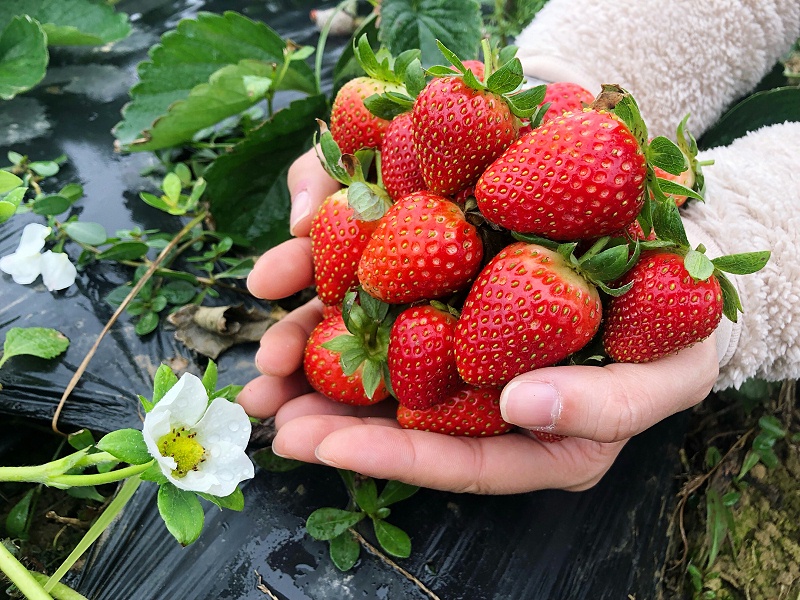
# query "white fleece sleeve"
(753, 203)
(674, 56)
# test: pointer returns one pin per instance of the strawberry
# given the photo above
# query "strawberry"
(472, 412)
(353, 127)
(692, 175)
(323, 367)
(578, 176)
(422, 364)
(338, 239)
(477, 67)
(547, 437)
(399, 166)
(566, 97)
(423, 248)
(527, 309)
(666, 310)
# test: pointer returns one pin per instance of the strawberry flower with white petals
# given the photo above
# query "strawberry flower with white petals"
(28, 262)
(199, 447)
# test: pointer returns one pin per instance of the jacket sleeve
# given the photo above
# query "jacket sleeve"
(675, 57)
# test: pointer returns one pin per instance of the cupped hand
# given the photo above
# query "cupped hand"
(599, 408)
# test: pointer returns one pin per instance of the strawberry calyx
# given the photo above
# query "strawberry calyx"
(369, 322)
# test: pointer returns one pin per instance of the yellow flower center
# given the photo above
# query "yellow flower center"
(181, 445)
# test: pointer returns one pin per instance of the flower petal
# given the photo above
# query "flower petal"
(156, 425)
(58, 272)
(223, 468)
(186, 401)
(32, 239)
(22, 268)
(224, 421)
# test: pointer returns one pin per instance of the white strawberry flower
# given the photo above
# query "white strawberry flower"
(200, 447)
(28, 262)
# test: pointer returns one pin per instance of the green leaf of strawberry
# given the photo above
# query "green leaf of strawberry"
(667, 223)
(664, 154)
(526, 103)
(742, 264)
(507, 78)
(731, 304)
(368, 201)
(674, 188)
(698, 265)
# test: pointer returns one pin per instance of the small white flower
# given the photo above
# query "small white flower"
(199, 447)
(27, 263)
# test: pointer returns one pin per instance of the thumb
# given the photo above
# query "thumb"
(610, 403)
(309, 185)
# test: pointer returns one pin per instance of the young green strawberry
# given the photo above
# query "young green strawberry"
(338, 239)
(423, 248)
(665, 310)
(421, 357)
(399, 166)
(527, 309)
(323, 367)
(353, 127)
(472, 412)
(578, 176)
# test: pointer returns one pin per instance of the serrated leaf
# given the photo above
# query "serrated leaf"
(392, 539)
(667, 223)
(371, 377)
(190, 55)
(698, 265)
(327, 523)
(344, 550)
(385, 106)
(395, 491)
(731, 304)
(742, 264)
(410, 24)
(664, 154)
(33, 341)
(23, 56)
(507, 78)
(127, 445)
(369, 62)
(607, 265)
(627, 110)
(269, 461)
(85, 232)
(414, 78)
(182, 513)
(403, 60)
(525, 103)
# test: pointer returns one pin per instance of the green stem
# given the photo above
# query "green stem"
(65, 481)
(59, 591)
(21, 577)
(41, 473)
(96, 459)
(96, 530)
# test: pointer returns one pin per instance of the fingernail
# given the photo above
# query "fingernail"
(324, 460)
(276, 453)
(531, 404)
(301, 207)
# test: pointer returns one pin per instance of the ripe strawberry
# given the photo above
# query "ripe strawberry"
(527, 309)
(472, 412)
(423, 248)
(576, 177)
(547, 437)
(458, 132)
(323, 367)
(337, 242)
(476, 66)
(564, 97)
(422, 364)
(665, 310)
(399, 166)
(353, 127)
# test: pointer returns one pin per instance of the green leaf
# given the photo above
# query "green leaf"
(33, 341)
(23, 56)
(507, 78)
(233, 501)
(127, 445)
(327, 523)
(664, 154)
(84, 232)
(392, 539)
(147, 323)
(731, 304)
(387, 106)
(395, 491)
(72, 192)
(372, 375)
(85, 492)
(366, 494)
(408, 24)
(163, 381)
(18, 518)
(742, 264)
(269, 461)
(698, 265)
(81, 439)
(627, 110)
(7, 210)
(674, 188)
(154, 474)
(607, 265)
(370, 63)
(124, 251)
(344, 551)
(256, 206)
(182, 513)
(716, 524)
(230, 392)
(525, 103)
(369, 202)
(210, 378)
(667, 223)
(44, 168)
(190, 55)
(50, 205)
(8, 181)
(772, 426)
(178, 292)
(414, 79)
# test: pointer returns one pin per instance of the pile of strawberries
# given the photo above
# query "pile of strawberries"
(486, 230)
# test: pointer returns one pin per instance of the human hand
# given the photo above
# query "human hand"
(599, 408)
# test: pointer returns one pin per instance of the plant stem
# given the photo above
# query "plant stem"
(96, 530)
(97, 478)
(60, 591)
(21, 577)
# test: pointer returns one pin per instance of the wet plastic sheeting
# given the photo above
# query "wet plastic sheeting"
(605, 543)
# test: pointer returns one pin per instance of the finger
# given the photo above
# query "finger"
(283, 345)
(263, 396)
(317, 404)
(309, 185)
(283, 270)
(505, 464)
(614, 402)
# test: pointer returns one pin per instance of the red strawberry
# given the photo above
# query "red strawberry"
(576, 177)
(563, 97)
(547, 437)
(422, 364)
(458, 132)
(423, 248)
(324, 370)
(477, 67)
(399, 165)
(665, 310)
(353, 127)
(472, 412)
(527, 309)
(337, 242)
